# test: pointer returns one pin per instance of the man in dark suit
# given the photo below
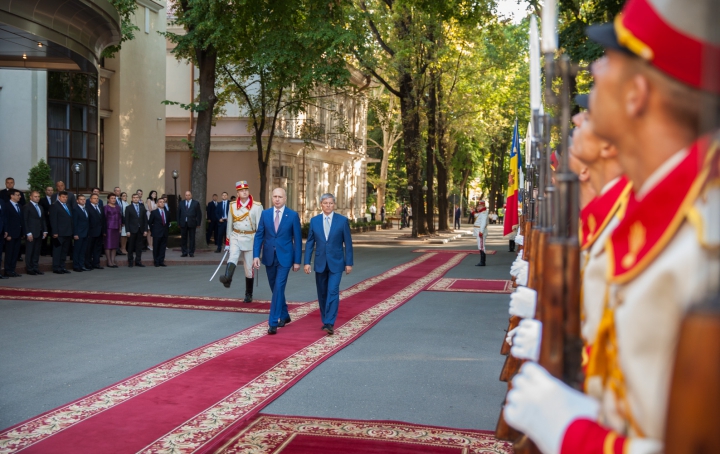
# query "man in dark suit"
(458, 215)
(35, 233)
(136, 229)
(5, 193)
(160, 230)
(95, 232)
(81, 228)
(189, 218)
(210, 213)
(3, 233)
(330, 236)
(46, 201)
(15, 229)
(221, 214)
(62, 228)
(97, 192)
(279, 238)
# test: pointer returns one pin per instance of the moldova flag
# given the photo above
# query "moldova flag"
(511, 201)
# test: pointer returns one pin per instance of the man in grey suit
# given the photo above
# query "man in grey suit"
(189, 219)
(136, 228)
(35, 233)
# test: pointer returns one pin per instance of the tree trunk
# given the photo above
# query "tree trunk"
(431, 113)
(206, 59)
(411, 145)
(444, 210)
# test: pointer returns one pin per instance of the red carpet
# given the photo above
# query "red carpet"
(455, 251)
(207, 303)
(472, 285)
(268, 434)
(194, 402)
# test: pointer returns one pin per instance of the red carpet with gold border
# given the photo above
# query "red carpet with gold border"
(455, 251)
(196, 401)
(205, 303)
(267, 434)
(471, 285)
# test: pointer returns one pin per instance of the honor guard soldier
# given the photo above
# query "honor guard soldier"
(480, 229)
(647, 100)
(243, 218)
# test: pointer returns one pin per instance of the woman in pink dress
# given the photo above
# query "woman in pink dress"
(113, 222)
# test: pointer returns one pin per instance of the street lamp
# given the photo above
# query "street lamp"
(77, 168)
(175, 176)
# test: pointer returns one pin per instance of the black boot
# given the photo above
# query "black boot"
(227, 279)
(512, 245)
(248, 289)
(482, 259)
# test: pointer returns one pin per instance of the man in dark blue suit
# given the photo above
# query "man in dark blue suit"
(221, 216)
(279, 238)
(15, 229)
(3, 233)
(81, 229)
(96, 229)
(328, 233)
(160, 230)
(210, 212)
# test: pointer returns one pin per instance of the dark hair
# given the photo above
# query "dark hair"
(93, 189)
(13, 191)
(81, 195)
(62, 193)
(112, 194)
(9, 178)
(121, 194)
(150, 197)
(224, 192)
(214, 195)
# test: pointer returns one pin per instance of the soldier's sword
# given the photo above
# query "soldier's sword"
(220, 265)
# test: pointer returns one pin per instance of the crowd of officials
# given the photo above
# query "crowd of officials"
(61, 224)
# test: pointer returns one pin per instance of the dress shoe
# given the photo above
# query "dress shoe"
(157, 266)
(284, 322)
(98, 267)
(130, 264)
(39, 273)
(162, 264)
(57, 272)
(192, 255)
(78, 270)
(120, 253)
(217, 251)
(31, 272)
(139, 264)
(328, 329)
(272, 330)
(66, 271)
(113, 266)
(87, 269)
(184, 255)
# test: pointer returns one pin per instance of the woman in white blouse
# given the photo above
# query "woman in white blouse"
(150, 205)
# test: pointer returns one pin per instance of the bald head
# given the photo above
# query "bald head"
(279, 197)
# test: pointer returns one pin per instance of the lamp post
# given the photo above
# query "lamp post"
(175, 176)
(428, 215)
(77, 168)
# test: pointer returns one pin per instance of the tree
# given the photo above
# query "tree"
(384, 108)
(285, 54)
(39, 177)
(207, 28)
(126, 10)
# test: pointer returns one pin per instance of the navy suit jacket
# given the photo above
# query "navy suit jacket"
(286, 243)
(97, 220)
(211, 211)
(219, 210)
(330, 252)
(14, 222)
(157, 229)
(80, 222)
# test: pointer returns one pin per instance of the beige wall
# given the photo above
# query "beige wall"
(135, 131)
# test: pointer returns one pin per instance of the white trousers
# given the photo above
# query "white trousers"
(247, 257)
(480, 239)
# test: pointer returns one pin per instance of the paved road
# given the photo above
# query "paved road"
(433, 361)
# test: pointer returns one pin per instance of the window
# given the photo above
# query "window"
(73, 128)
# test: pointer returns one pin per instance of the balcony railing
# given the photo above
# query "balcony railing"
(308, 130)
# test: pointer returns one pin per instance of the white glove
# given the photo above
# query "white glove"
(522, 302)
(227, 248)
(543, 407)
(519, 239)
(522, 277)
(526, 344)
(510, 335)
(516, 268)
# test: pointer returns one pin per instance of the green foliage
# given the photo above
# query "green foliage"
(574, 18)
(192, 107)
(39, 177)
(174, 228)
(126, 9)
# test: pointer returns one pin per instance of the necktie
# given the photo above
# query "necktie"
(66, 208)
(85, 212)
(224, 207)
(97, 209)
(277, 220)
(37, 208)
(162, 215)
(327, 227)
(17, 207)
(187, 205)
(137, 209)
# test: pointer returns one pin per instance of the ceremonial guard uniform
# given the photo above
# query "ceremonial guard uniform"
(242, 223)
(480, 230)
(661, 259)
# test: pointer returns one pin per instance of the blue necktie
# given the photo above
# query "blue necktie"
(66, 209)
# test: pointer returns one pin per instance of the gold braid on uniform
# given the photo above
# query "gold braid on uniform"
(240, 218)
